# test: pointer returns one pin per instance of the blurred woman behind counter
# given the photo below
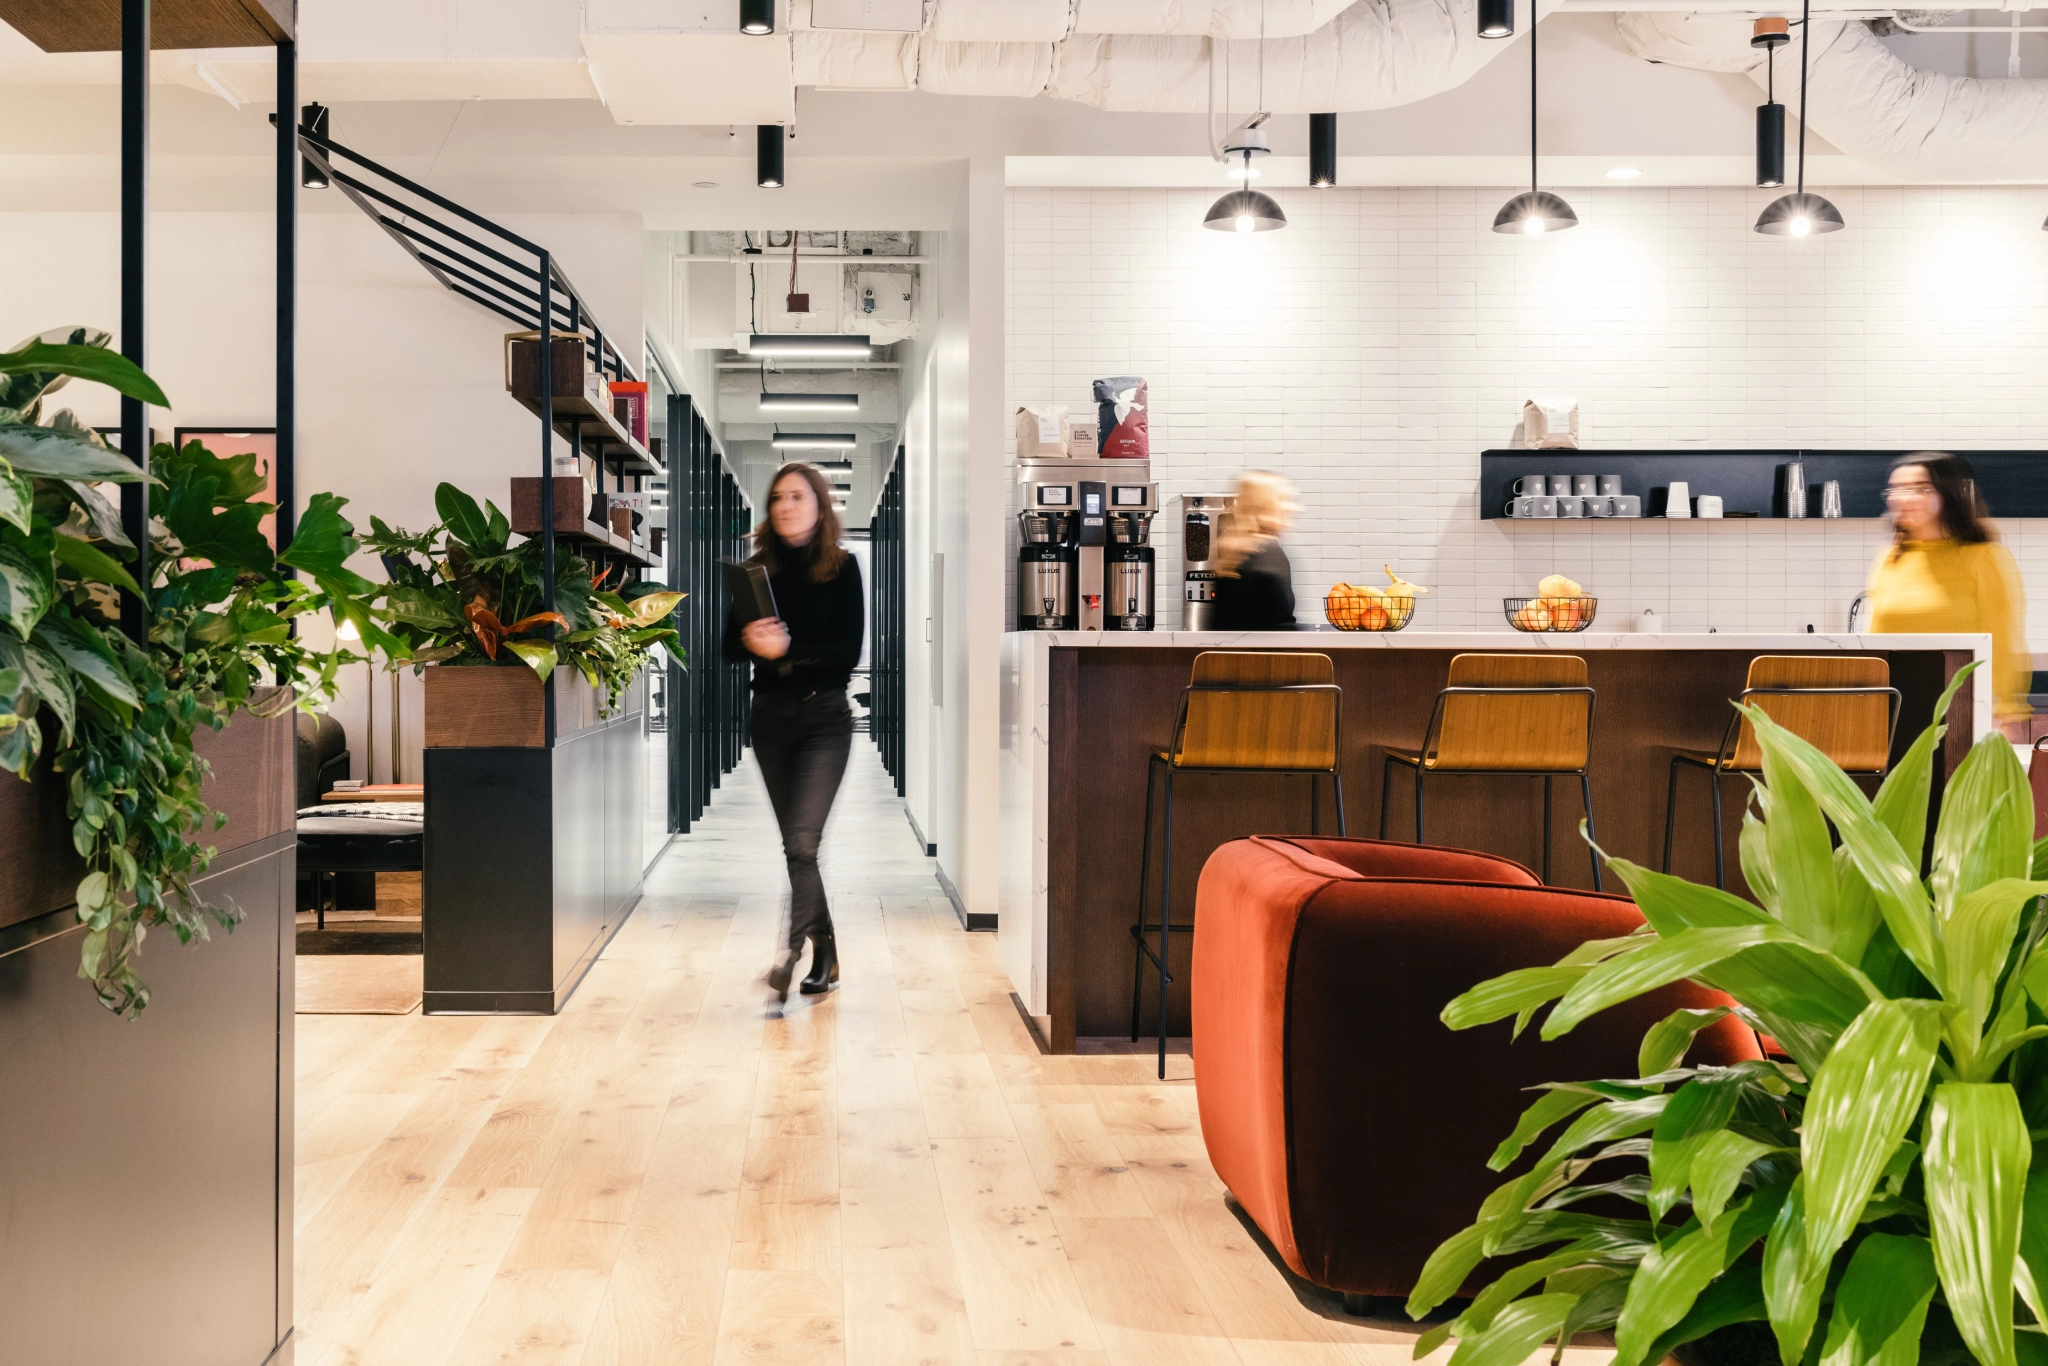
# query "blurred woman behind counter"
(1945, 572)
(1254, 582)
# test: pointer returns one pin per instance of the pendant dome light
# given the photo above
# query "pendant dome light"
(1800, 214)
(1535, 211)
(1247, 210)
(1770, 34)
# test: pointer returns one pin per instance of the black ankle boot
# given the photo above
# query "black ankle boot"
(824, 974)
(783, 969)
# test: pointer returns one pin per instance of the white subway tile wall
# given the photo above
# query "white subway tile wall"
(1376, 345)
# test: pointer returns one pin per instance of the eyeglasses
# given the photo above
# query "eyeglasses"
(1895, 491)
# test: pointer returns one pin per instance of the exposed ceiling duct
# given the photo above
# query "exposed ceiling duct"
(1371, 54)
(1869, 102)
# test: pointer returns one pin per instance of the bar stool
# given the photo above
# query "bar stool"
(1525, 714)
(1843, 705)
(1241, 712)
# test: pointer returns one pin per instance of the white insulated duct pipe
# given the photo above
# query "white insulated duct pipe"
(1373, 54)
(1867, 101)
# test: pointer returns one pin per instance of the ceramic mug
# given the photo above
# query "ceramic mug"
(1709, 506)
(1560, 485)
(1573, 506)
(1585, 485)
(1601, 505)
(1628, 505)
(1610, 483)
(1531, 507)
(1532, 486)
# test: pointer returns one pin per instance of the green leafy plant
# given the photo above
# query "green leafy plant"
(118, 716)
(1872, 1196)
(461, 593)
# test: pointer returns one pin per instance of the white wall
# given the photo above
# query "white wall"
(1376, 345)
(401, 384)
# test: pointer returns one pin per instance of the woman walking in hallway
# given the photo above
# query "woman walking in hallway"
(802, 726)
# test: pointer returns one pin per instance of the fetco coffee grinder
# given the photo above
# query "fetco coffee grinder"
(1047, 557)
(1201, 529)
(1128, 557)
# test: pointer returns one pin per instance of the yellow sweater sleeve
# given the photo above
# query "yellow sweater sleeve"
(2002, 601)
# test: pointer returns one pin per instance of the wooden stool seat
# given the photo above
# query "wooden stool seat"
(1243, 711)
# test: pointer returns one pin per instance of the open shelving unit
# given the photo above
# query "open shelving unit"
(2013, 483)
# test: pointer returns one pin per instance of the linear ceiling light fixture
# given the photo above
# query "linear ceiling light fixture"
(1496, 18)
(312, 118)
(834, 466)
(1322, 150)
(809, 346)
(768, 156)
(810, 403)
(1537, 211)
(1800, 214)
(814, 441)
(1770, 34)
(757, 16)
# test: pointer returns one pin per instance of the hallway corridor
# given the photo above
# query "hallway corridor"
(671, 1173)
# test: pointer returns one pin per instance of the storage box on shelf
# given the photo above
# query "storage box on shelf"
(582, 403)
(572, 519)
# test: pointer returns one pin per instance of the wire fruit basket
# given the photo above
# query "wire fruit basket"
(1364, 612)
(1549, 614)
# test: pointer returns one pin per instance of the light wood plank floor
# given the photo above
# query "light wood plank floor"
(673, 1172)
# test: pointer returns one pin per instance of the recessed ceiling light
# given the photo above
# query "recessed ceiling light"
(1623, 173)
(704, 184)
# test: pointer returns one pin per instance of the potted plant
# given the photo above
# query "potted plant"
(113, 722)
(465, 598)
(1867, 1193)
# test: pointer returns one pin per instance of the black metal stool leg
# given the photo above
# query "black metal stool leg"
(1386, 790)
(1586, 792)
(1720, 857)
(1546, 829)
(1418, 803)
(1337, 786)
(1138, 930)
(1165, 919)
(1315, 806)
(1670, 813)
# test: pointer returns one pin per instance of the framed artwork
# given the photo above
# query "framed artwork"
(260, 442)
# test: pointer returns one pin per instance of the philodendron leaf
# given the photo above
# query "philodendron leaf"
(95, 363)
(1717, 1168)
(51, 453)
(1678, 1269)
(466, 521)
(1881, 1304)
(91, 658)
(1665, 1043)
(1987, 824)
(92, 564)
(1515, 1332)
(28, 584)
(1550, 1108)
(1893, 875)
(1976, 1171)
(46, 675)
(17, 498)
(103, 516)
(1697, 1109)
(541, 658)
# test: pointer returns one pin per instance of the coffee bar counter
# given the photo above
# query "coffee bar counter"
(1081, 711)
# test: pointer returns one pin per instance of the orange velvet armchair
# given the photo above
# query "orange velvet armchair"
(1348, 1121)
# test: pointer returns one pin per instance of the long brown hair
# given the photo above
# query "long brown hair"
(1955, 483)
(823, 554)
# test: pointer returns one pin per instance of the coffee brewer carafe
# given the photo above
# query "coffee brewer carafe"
(1128, 558)
(1046, 558)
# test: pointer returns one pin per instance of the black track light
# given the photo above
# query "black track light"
(757, 16)
(1322, 150)
(313, 118)
(1496, 18)
(1799, 214)
(768, 156)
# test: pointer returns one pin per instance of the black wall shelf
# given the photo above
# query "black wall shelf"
(2013, 483)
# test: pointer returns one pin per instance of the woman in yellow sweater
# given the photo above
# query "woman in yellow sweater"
(1946, 572)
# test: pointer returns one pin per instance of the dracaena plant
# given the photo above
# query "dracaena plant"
(1870, 1193)
(115, 717)
(463, 593)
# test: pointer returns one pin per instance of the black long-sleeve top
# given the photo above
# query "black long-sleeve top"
(825, 622)
(1261, 597)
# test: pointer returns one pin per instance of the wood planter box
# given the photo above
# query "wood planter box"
(166, 1128)
(533, 853)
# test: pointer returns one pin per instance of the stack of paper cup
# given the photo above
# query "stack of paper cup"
(1678, 500)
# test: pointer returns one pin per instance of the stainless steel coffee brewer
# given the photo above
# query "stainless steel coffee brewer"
(1128, 557)
(1201, 528)
(1048, 533)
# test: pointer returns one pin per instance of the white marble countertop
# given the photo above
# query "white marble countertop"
(1573, 641)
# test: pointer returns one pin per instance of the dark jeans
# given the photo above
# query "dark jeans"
(802, 744)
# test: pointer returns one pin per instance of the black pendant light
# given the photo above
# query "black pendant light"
(1496, 18)
(1800, 214)
(1770, 35)
(1537, 211)
(757, 16)
(768, 156)
(313, 118)
(1322, 150)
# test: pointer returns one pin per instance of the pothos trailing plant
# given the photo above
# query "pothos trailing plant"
(116, 715)
(1872, 1195)
(462, 594)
